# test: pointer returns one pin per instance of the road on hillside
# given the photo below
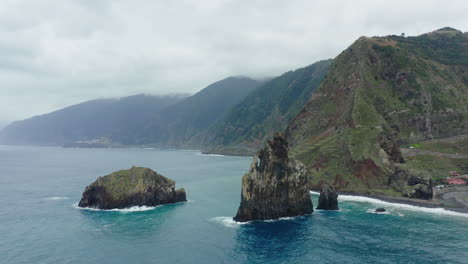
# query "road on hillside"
(413, 152)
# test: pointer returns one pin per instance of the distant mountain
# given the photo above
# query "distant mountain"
(4, 124)
(380, 93)
(162, 121)
(177, 125)
(98, 121)
(264, 111)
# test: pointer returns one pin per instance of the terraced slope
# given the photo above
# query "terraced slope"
(380, 93)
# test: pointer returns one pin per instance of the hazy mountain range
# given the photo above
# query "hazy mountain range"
(345, 118)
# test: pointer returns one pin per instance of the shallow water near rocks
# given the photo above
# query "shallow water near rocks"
(40, 223)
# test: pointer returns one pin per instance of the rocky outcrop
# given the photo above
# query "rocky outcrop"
(328, 199)
(411, 185)
(380, 210)
(275, 186)
(134, 187)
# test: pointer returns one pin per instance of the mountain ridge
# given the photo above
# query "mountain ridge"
(382, 92)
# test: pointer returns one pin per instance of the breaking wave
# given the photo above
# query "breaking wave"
(439, 211)
(227, 221)
(408, 207)
(124, 210)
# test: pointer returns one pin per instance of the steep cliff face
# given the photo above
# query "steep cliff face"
(380, 93)
(275, 186)
(265, 111)
(134, 187)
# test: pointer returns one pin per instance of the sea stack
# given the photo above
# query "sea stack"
(328, 199)
(134, 187)
(275, 186)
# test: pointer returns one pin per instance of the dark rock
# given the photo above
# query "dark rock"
(423, 191)
(275, 186)
(134, 187)
(391, 147)
(328, 199)
(380, 210)
(411, 185)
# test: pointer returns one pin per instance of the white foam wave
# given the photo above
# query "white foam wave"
(123, 210)
(408, 207)
(315, 193)
(56, 198)
(227, 221)
(282, 219)
(372, 211)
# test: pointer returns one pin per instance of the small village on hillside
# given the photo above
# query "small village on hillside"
(456, 178)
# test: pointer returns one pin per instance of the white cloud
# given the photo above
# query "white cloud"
(57, 53)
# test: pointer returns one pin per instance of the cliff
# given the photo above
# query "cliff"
(275, 186)
(381, 93)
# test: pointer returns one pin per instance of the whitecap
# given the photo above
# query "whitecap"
(314, 193)
(282, 218)
(227, 221)
(408, 207)
(123, 210)
(372, 211)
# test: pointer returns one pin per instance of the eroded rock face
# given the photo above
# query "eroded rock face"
(411, 185)
(275, 186)
(134, 187)
(328, 199)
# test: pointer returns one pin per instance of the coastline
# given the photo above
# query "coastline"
(435, 203)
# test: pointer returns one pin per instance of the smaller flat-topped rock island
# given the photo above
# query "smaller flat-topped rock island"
(136, 186)
(275, 186)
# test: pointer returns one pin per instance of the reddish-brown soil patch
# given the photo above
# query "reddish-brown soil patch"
(366, 170)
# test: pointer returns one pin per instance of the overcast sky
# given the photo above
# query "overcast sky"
(58, 53)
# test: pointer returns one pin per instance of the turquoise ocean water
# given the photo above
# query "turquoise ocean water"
(40, 223)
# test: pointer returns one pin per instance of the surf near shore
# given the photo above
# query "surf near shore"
(437, 205)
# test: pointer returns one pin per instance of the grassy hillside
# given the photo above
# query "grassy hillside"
(380, 93)
(265, 111)
(176, 125)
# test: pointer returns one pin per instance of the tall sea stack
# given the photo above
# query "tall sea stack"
(275, 186)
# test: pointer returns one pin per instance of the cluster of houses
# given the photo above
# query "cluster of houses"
(457, 179)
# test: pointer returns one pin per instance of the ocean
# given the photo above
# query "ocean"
(41, 223)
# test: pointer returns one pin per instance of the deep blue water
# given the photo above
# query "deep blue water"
(40, 224)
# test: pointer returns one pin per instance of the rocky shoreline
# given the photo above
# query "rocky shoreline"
(436, 203)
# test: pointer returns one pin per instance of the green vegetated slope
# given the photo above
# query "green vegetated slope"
(266, 110)
(176, 125)
(380, 93)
